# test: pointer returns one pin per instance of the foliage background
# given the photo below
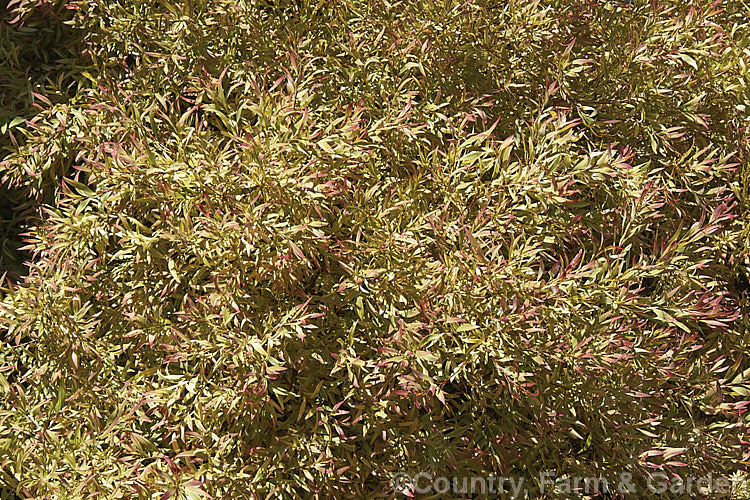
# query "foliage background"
(288, 249)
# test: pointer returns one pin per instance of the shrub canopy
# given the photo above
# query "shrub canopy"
(289, 249)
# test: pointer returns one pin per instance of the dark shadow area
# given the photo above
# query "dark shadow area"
(13, 261)
(37, 56)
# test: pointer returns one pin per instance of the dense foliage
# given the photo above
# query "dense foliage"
(292, 248)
